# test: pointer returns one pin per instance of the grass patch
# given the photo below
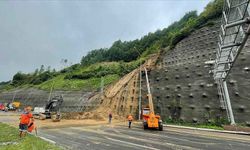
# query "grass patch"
(88, 84)
(10, 134)
(210, 127)
(83, 77)
(90, 76)
(213, 124)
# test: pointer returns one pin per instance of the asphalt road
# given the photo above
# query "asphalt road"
(104, 137)
(119, 137)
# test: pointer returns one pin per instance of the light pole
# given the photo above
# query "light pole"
(51, 88)
(139, 85)
(140, 93)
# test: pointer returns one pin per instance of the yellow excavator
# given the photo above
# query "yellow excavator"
(150, 119)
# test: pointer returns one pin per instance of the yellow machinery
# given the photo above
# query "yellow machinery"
(16, 104)
(13, 105)
(150, 120)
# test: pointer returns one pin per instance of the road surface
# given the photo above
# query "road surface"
(119, 137)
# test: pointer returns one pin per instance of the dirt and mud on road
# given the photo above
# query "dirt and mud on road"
(13, 119)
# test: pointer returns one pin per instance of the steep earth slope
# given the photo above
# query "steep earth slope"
(122, 97)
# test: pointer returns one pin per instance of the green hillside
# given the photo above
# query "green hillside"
(118, 60)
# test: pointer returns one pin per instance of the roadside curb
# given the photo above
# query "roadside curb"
(210, 130)
(48, 140)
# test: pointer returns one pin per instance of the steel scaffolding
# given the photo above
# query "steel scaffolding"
(233, 35)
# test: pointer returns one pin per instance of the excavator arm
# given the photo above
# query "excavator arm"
(53, 106)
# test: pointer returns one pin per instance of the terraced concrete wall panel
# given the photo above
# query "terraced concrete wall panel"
(73, 100)
(239, 86)
(182, 87)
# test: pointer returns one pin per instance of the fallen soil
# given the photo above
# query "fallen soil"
(236, 128)
(13, 120)
(97, 115)
(86, 119)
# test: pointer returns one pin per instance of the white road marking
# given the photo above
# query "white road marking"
(48, 140)
(209, 130)
(169, 145)
(166, 136)
(129, 143)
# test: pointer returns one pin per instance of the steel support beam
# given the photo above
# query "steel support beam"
(230, 45)
(246, 20)
(241, 47)
(140, 96)
(228, 102)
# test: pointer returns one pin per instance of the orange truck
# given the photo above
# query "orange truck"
(150, 120)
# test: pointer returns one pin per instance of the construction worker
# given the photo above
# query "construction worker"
(110, 117)
(130, 119)
(25, 118)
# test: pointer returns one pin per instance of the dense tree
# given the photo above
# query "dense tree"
(41, 69)
(36, 72)
(19, 78)
(49, 68)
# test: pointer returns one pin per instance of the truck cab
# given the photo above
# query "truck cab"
(150, 120)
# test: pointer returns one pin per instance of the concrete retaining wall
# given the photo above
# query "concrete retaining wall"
(73, 100)
(184, 89)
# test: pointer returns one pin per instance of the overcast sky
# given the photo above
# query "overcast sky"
(35, 32)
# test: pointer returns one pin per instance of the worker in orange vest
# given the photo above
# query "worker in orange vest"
(130, 119)
(25, 118)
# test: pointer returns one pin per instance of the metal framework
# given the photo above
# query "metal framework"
(233, 35)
